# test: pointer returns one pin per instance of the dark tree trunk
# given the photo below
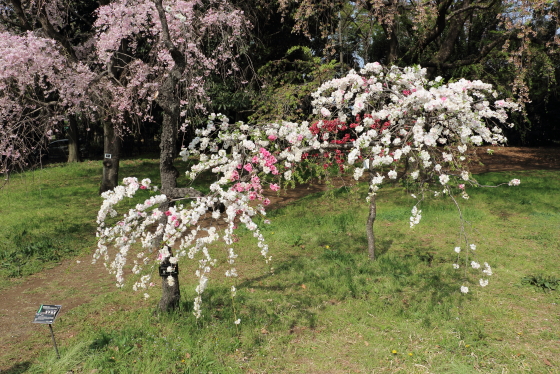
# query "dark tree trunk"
(170, 294)
(369, 228)
(391, 33)
(111, 149)
(454, 28)
(170, 103)
(73, 142)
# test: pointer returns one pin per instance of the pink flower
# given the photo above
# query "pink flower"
(248, 167)
(461, 186)
(272, 137)
(274, 187)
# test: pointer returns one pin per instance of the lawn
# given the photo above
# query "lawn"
(321, 306)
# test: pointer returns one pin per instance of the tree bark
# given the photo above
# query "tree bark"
(369, 228)
(111, 149)
(170, 103)
(73, 141)
(454, 28)
(170, 294)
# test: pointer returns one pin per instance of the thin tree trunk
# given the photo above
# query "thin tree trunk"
(73, 142)
(170, 294)
(111, 149)
(369, 228)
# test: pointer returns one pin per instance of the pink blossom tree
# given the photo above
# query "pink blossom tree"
(40, 87)
(137, 57)
(171, 49)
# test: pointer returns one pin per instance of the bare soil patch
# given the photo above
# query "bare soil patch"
(76, 282)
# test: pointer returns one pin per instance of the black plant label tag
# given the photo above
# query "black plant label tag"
(47, 313)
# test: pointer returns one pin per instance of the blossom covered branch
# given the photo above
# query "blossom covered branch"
(390, 122)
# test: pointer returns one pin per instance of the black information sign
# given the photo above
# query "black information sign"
(46, 314)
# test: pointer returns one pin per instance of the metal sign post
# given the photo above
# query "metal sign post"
(46, 315)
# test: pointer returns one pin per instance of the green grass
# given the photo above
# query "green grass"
(325, 308)
(48, 214)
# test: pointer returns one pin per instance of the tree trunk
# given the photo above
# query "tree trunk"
(73, 142)
(111, 148)
(454, 28)
(369, 228)
(170, 294)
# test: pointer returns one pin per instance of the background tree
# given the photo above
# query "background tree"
(69, 26)
(511, 43)
(40, 88)
(172, 48)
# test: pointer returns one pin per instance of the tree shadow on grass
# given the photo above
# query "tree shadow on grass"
(20, 367)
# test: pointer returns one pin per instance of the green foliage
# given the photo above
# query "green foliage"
(545, 283)
(288, 84)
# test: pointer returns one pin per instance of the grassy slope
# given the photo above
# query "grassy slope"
(325, 308)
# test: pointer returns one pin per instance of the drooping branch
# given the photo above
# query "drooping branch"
(55, 35)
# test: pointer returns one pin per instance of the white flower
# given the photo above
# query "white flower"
(475, 265)
(473, 247)
(325, 112)
(443, 179)
(483, 282)
(487, 269)
(457, 249)
(146, 296)
(464, 289)
(358, 172)
(455, 266)
(392, 174)
(514, 182)
(170, 281)
(237, 321)
(415, 174)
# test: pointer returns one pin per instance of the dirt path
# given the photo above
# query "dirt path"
(76, 282)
